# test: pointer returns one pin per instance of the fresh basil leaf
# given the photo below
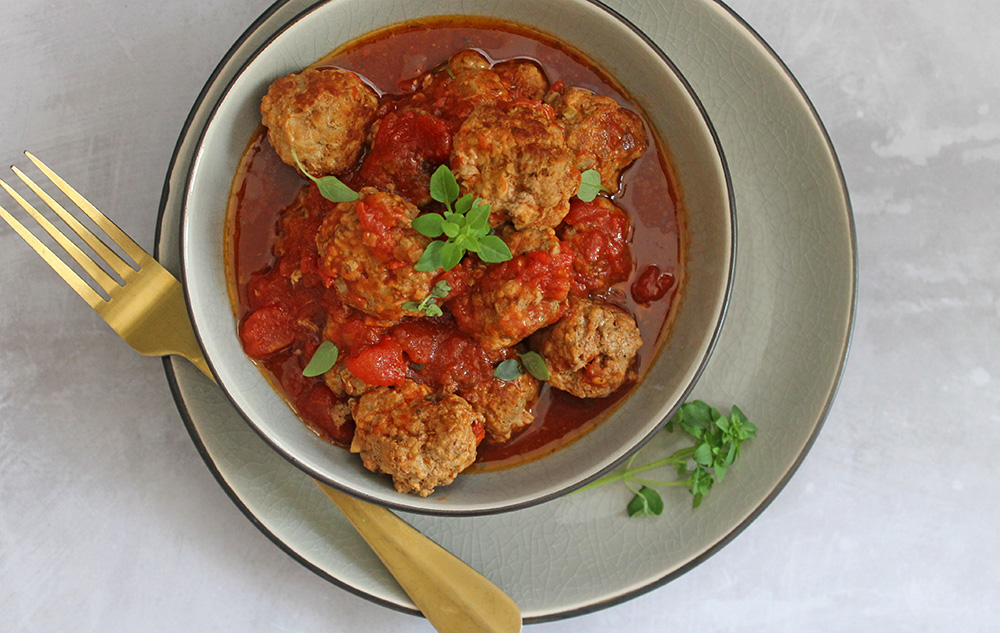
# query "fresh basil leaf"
(590, 185)
(647, 502)
(431, 259)
(535, 365)
(323, 359)
(492, 250)
(444, 187)
(429, 224)
(508, 370)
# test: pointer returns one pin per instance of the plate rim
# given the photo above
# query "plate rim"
(630, 594)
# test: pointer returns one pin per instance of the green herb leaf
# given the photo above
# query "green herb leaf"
(451, 254)
(478, 215)
(646, 503)
(466, 227)
(590, 185)
(493, 250)
(450, 229)
(715, 446)
(535, 365)
(431, 259)
(463, 204)
(444, 186)
(441, 289)
(428, 305)
(323, 359)
(508, 370)
(429, 224)
(330, 187)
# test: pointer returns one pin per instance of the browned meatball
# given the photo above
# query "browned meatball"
(367, 250)
(590, 351)
(343, 383)
(510, 300)
(601, 134)
(598, 233)
(454, 90)
(522, 78)
(505, 405)
(515, 158)
(322, 114)
(419, 441)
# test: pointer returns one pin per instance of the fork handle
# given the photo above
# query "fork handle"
(452, 596)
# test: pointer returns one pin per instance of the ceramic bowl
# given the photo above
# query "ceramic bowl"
(670, 107)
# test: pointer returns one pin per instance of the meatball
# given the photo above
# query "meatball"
(321, 114)
(510, 300)
(407, 147)
(505, 405)
(453, 91)
(343, 383)
(367, 251)
(419, 441)
(590, 351)
(601, 134)
(598, 233)
(522, 78)
(515, 158)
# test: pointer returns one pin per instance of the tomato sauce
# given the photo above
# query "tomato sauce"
(437, 352)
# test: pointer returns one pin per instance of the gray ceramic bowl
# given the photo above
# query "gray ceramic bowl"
(672, 109)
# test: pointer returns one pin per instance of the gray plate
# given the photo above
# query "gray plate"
(780, 355)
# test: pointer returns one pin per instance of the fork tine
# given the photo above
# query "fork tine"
(68, 274)
(112, 258)
(119, 236)
(103, 279)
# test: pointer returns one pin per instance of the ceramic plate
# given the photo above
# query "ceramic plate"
(780, 354)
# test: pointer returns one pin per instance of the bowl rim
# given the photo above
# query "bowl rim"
(391, 501)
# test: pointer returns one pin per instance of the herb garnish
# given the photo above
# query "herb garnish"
(330, 187)
(590, 185)
(323, 359)
(512, 368)
(429, 304)
(716, 442)
(466, 227)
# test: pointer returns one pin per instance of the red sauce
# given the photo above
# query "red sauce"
(437, 352)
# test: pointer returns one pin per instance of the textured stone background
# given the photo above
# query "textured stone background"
(890, 523)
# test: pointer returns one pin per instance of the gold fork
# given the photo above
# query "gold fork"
(144, 303)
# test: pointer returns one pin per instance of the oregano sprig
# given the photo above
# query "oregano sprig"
(465, 225)
(716, 444)
(330, 187)
(590, 185)
(322, 361)
(531, 362)
(428, 305)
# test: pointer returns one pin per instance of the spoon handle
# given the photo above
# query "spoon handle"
(452, 596)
